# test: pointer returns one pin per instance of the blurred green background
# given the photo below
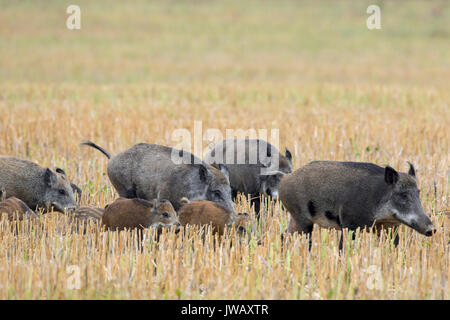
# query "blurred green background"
(225, 41)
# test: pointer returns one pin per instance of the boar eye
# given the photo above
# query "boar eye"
(165, 215)
(404, 196)
(217, 194)
(62, 192)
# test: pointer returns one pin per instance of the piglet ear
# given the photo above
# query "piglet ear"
(288, 155)
(50, 177)
(412, 171)
(390, 175)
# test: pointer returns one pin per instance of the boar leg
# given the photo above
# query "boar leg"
(397, 238)
(341, 240)
(256, 201)
(305, 227)
(234, 194)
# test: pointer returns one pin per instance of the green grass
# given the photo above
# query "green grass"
(222, 41)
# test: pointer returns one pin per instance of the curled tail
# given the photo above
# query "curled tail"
(93, 145)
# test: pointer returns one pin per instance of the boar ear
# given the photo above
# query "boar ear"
(223, 168)
(203, 171)
(59, 170)
(412, 171)
(50, 177)
(288, 155)
(390, 175)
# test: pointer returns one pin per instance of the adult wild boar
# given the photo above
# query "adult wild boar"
(148, 171)
(255, 166)
(38, 187)
(352, 194)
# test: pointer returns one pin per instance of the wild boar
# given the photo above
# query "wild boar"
(16, 209)
(139, 214)
(244, 223)
(352, 194)
(147, 171)
(38, 187)
(76, 190)
(88, 213)
(255, 167)
(81, 216)
(203, 212)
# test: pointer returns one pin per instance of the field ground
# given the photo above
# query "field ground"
(135, 73)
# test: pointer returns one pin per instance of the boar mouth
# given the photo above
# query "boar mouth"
(159, 226)
(59, 208)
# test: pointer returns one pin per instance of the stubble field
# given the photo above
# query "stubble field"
(135, 73)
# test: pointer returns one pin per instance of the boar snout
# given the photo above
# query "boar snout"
(66, 209)
(423, 226)
(431, 231)
(273, 194)
(241, 230)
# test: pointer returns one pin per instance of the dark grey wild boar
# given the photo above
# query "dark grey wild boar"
(350, 195)
(38, 187)
(147, 171)
(255, 166)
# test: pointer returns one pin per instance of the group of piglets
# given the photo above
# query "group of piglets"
(53, 191)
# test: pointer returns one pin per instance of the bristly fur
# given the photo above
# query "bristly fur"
(148, 171)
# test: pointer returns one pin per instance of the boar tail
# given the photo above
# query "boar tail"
(93, 145)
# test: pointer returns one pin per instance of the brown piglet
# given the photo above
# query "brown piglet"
(203, 212)
(139, 214)
(16, 209)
